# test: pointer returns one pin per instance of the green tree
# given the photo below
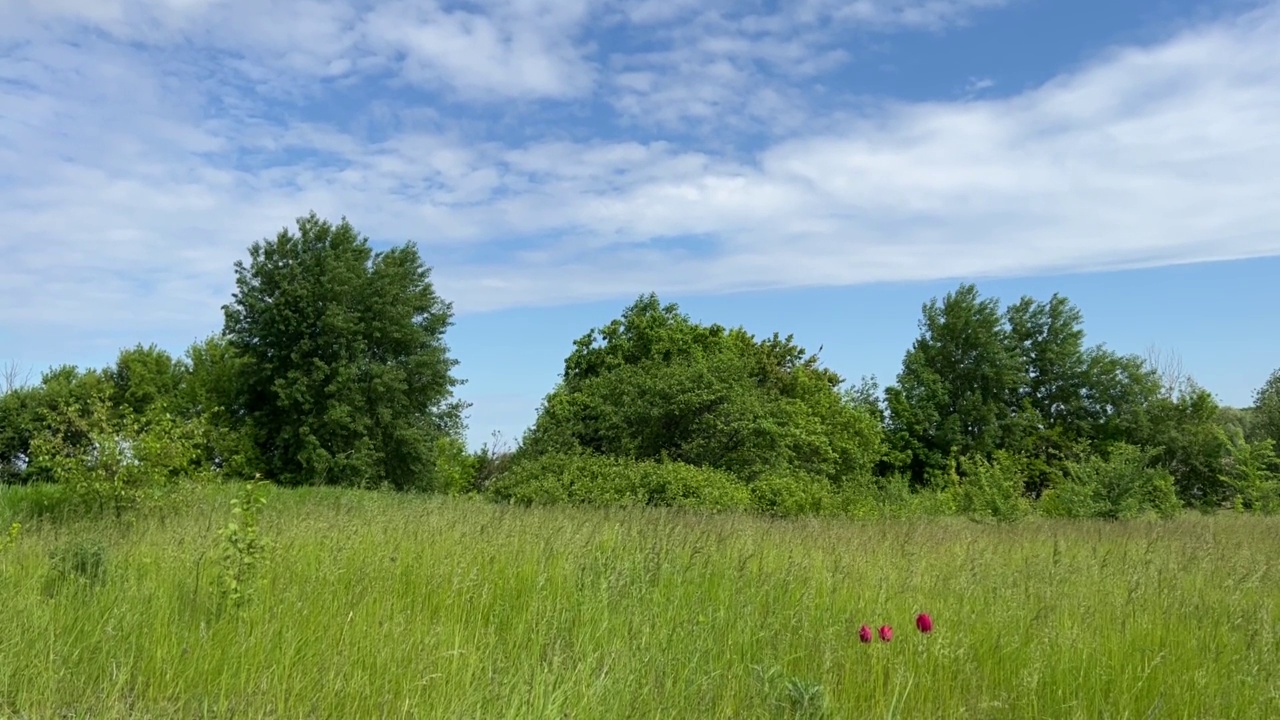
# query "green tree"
(1119, 398)
(1191, 443)
(1265, 418)
(211, 395)
(59, 406)
(653, 385)
(1253, 473)
(954, 395)
(344, 374)
(1049, 404)
(143, 378)
(1241, 419)
(1048, 340)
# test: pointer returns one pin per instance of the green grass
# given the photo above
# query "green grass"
(379, 605)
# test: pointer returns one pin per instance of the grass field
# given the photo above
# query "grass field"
(377, 605)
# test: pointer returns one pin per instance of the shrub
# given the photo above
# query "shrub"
(242, 546)
(455, 468)
(1253, 473)
(1121, 486)
(123, 464)
(792, 493)
(993, 489)
(491, 460)
(588, 479)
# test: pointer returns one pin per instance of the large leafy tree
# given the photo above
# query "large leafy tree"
(1049, 403)
(144, 378)
(1265, 418)
(1185, 428)
(344, 376)
(1047, 338)
(211, 395)
(958, 381)
(652, 384)
(59, 406)
(1022, 381)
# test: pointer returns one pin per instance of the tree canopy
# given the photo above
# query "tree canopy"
(344, 376)
(331, 367)
(653, 385)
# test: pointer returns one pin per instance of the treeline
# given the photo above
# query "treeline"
(332, 368)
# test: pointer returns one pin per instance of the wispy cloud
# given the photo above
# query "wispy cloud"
(549, 151)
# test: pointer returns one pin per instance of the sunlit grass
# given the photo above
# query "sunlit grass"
(380, 605)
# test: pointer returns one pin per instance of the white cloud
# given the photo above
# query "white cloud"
(134, 170)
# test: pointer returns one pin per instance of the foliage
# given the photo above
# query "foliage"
(210, 394)
(1121, 486)
(343, 374)
(1253, 473)
(331, 368)
(1266, 409)
(977, 382)
(103, 464)
(792, 493)
(145, 380)
(993, 489)
(56, 407)
(11, 538)
(491, 460)
(953, 395)
(590, 479)
(654, 385)
(1189, 441)
(243, 548)
(455, 468)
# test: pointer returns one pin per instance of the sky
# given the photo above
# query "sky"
(817, 167)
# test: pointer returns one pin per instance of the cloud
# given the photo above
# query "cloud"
(546, 152)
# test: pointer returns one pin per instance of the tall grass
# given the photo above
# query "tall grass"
(378, 605)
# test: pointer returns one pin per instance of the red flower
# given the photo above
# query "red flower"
(864, 634)
(886, 633)
(924, 623)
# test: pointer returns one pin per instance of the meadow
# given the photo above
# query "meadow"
(377, 604)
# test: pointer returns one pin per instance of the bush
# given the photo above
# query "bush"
(1121, 486)
(491, 460)
(993, 489)
(892, 496)
(455, 468)
(587, 479)
(1253, 473)
(654, 385)
(124, 464)
(790, 494)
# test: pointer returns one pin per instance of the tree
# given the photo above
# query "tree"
(1048, 340)
(145, 377)
(959, 379)
(210, 394)
(1050, 415)
(653, 385)
(59, 406)
(344, 374)
(1190, 441)
(1265, 418)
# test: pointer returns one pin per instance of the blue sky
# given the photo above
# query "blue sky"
(819, 167)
